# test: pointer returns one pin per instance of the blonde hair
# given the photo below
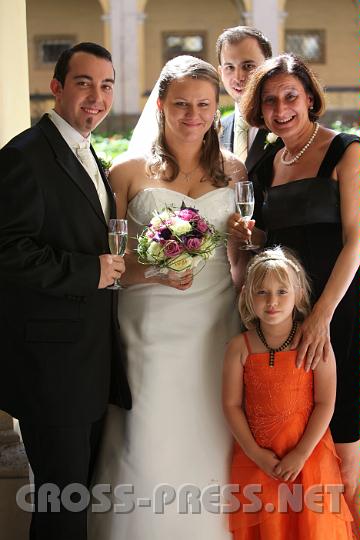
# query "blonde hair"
(283, 264)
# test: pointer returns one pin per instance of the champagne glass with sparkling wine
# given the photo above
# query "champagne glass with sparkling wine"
(118, 236)
(245, 202)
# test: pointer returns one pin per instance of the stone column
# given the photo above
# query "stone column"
(14, 117)
(124, 22)
(268, 16)
(14, 78)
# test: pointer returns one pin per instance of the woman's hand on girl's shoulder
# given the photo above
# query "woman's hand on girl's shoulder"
(312, 341)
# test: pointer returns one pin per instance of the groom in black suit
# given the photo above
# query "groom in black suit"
(240, 50)
(60, 359)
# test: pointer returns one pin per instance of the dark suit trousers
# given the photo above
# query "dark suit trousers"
(60, 456)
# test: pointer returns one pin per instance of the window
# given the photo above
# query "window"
(49, 48)
(176, 43)
(309, 44)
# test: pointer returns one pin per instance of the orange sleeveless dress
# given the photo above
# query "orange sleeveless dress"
(278, 403)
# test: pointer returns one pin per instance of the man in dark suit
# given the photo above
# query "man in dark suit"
(240, 50)
(60, 360)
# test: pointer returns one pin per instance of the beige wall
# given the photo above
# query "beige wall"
(80, 18)
(339, 20)
(14, 84)
(211, 16)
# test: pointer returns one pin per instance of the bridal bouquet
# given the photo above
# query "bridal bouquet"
(177, 240)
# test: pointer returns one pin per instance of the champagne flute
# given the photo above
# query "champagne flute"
(245, 202)
(118, 236)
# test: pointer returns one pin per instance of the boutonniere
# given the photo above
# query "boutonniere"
(271, 138)
(106, 165)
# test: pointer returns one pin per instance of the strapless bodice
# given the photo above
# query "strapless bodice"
(215, 206)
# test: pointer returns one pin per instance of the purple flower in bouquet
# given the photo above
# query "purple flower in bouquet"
(165, 234)
(193, 243)
(189, 214)
(202, 226)
(173, 248)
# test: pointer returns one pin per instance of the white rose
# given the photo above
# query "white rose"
(158, 219)
(271, 138)
(181, 262)
(180, 226)
(155, 252)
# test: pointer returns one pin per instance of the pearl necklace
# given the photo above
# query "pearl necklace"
(278, 349)
(299, 154)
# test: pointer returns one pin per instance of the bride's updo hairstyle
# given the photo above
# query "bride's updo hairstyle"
(285, 267)
(162, 164)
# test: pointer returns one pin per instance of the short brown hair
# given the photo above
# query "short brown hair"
(238, 33)
(288, 64)
(62, 64)
(286, 267)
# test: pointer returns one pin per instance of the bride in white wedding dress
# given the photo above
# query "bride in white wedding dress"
(174, 330)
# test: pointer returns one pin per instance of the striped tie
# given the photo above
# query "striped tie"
(88, 161)
(241, 138)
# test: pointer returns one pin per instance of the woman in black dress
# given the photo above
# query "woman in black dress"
(307, 199)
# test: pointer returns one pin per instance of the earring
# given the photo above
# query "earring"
(311, 107)
(217, 117)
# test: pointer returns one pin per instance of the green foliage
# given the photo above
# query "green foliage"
(338, 126)
(225, 110)
(108, 147)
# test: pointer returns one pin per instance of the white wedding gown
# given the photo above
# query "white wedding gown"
(175, 433)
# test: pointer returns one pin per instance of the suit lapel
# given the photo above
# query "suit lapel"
(71, 165)
(256, 151)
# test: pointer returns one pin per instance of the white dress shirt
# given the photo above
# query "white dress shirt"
(80, 146)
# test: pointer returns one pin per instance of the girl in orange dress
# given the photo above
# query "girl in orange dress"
(284, 465)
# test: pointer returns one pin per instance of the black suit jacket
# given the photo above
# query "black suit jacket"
(257, 152)
(59, 333)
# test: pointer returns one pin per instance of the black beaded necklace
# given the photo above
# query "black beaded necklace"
(278, 349)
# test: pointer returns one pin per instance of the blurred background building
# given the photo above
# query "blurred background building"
(143, 34)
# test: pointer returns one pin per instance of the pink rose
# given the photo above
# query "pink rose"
(172, 248)
(202, 226)
(188, 215)
(193, 243)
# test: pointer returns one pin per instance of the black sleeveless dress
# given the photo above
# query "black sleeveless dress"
(304, 215)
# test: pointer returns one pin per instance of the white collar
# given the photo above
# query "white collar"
(73, 138)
